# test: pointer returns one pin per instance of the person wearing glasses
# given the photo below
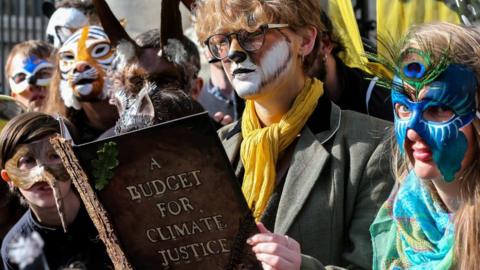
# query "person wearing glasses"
(29, 69)
(313, 175)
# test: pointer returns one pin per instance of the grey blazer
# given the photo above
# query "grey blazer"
(338, 178)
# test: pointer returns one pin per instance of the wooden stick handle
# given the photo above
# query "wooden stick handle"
(94, 208)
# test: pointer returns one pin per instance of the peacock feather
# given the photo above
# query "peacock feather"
(414, 66)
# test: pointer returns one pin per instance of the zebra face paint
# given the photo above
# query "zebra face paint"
(84, 59)
(448, 105)
(34, 71)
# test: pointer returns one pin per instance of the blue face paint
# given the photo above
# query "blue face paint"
(455, 88)
(31, 63)
(28, 74)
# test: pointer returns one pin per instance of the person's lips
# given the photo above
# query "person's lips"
(84, 81)
(240, 71)
(42, 187)
(37, 98)
(422, 153)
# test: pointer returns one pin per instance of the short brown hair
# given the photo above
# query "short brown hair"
(39, 48)
(212, 16)
(191, 65)
(26, 128)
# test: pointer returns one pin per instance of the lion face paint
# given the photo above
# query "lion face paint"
(84, 59)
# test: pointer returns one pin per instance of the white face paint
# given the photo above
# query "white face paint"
(275, 61)
(29, 70)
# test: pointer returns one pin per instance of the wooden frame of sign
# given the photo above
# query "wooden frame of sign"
(173, 201)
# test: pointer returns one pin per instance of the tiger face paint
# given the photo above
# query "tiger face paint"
(84, 59)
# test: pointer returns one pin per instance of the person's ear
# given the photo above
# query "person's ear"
(197, 88)
(326, 45)
(308, 39)
(5, 176)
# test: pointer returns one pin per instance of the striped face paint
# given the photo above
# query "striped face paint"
(84, 59)
(35, 71)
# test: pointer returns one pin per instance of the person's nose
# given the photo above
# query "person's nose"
(32, 80)
(413, 136)
(236, 53)
(33, 88)
(81, 67)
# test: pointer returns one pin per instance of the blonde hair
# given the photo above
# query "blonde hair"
(216, 16)
(463, 45)
(53, 101)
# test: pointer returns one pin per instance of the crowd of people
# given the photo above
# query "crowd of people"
(343, 168)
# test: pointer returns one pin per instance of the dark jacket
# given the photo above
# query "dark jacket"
(79, 246)
(362, 94)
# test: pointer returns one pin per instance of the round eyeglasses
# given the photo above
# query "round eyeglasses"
(219, 44)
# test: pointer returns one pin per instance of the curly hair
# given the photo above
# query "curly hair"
(213, 17)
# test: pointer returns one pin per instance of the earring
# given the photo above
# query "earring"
(302, 57)
(324, 58)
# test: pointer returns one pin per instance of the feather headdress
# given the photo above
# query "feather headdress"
(414, 64)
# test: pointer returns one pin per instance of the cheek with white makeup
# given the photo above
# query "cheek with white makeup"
(248, 84)
(275, 62)
(272, 65)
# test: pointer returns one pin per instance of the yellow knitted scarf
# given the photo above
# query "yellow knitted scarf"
(261, 146)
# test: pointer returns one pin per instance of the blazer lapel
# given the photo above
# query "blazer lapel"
(232, 148)
(309, 159)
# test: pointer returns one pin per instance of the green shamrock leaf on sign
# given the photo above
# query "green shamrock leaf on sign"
(104, 164)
